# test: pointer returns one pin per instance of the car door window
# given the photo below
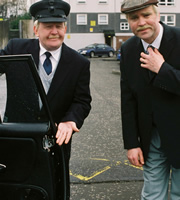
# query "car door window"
(19, 94)
(26, 140)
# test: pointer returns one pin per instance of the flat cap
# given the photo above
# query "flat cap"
(50, 11)
(133, 5)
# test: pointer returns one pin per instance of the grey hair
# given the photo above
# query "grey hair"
(36, 24)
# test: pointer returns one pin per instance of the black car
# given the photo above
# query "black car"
(97, 50)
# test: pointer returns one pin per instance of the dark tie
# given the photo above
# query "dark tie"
(149, 46)
(47, 63)
(151, 74)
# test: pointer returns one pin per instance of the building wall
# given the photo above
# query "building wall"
(178, 19)
(82, 35)
(80, 40)
(94, 6)
(92, 17)
(26, 29)
(4, 36)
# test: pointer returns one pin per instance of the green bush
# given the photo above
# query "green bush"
(14, 23)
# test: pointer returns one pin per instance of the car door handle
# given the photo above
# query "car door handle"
(2, 168)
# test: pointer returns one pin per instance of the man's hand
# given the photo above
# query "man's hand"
(135, 157)
(64, 132)
(152, 61)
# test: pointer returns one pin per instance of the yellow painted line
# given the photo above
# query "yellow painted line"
(114, 163)
(126, 162)
(102, 159)
(86, 178)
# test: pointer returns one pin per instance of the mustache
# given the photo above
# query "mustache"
(53, 36)
(143, 27)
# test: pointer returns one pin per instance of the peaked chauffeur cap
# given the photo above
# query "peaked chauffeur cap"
(134, 5)
(50, 11)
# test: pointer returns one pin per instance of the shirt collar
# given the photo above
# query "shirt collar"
(156, 43)
(55, 54)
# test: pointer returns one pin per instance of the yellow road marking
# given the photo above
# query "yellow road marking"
(86, 178)
(96, 173)
(126, 162)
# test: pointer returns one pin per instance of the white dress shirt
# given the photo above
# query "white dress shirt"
(157, 42)
(47, 79)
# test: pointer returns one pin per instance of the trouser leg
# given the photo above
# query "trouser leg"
(175, 184)
(156, 172)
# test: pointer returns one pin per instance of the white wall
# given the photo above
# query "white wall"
(94, 6)
(77, 41)
(170, 9)
(111, 6)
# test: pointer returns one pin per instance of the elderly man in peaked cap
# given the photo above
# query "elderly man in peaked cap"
(64, 73)
(150, 99)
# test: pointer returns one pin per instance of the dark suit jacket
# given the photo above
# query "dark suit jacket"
(69, 94)
(154, 101)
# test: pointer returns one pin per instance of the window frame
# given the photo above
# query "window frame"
(100, 22)
(103, 2)
(124, 24)
(169, 23)
(166, 3)
(78, 22)
(81, 1)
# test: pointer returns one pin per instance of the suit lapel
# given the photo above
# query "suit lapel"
(35, 51)
(138, 49)
(61, 72)
(167, 43)
(165, 49)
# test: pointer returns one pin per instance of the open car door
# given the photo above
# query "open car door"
(31, 163)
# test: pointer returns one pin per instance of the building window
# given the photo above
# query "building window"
(167, 2)
(81, 19)
(169, 19)
(102, 19)
(81, 1)
(124, 26)
(122, 16)
(102, 1)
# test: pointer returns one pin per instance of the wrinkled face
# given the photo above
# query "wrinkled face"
(51, 35)
(144, 23)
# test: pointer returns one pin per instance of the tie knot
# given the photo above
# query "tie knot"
(149, 46)
(48, 54)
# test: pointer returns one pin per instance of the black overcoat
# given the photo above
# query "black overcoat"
(152, 101)
(69, 94)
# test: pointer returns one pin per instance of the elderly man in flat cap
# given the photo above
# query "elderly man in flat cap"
(64, 73)
(150, 99)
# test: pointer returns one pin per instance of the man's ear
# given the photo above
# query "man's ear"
(36, 31)
(65, 29)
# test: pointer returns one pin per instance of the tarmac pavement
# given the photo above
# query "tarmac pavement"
(123, 190)
(99, 168)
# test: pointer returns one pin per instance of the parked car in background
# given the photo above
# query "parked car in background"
(97, 50)
(118, 56)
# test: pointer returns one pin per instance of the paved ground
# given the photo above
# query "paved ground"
(99, 167)
(107, 191)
